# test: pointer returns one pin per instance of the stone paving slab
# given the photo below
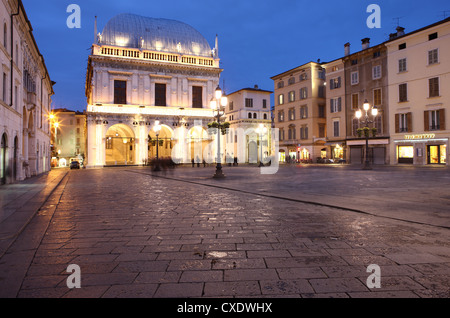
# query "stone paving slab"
(135, 235)
(19, 203)
(418, 193)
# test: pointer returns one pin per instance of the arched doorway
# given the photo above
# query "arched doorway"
(166, 143)
(198, 140)
(3, 161)
(252, 140)
(252, 152)
(120, 145)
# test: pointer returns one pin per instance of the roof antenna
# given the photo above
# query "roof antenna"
(398, 20)
(445, 13)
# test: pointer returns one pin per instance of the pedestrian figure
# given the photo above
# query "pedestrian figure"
(197, 159)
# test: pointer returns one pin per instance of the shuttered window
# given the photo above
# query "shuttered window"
(403, 122)
(403, 92)
(433, 85)
(434, 120)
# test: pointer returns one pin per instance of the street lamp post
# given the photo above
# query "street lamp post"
(218, 104)
(157, 129)
(366, 122)
(261, 130)
(56, 130)
(56, 124)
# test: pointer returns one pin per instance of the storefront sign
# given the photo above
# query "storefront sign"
(420, 136)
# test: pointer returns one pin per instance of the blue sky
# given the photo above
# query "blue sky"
(257, 39)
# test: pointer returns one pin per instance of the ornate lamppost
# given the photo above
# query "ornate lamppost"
(366, 130)
(218, 104)
(261, 130)
(157, 129)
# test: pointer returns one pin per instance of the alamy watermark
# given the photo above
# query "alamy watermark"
(74, 279)
(374, 279)
(374, 19)
(74, 19)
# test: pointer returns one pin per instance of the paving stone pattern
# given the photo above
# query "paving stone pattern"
(134, 235)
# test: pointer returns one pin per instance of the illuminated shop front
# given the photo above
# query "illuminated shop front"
(281, 155)
(305, 154)
(293, 154)
(422, 149)
(336, 151)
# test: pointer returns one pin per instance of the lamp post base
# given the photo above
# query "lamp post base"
(219, 174)
(367, 166)
(156, 166)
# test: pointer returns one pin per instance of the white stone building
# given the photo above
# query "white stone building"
(25, 98)
(247, 109)
(419, 78)
(142, 70)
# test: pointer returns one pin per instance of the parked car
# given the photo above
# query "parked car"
(74, 165)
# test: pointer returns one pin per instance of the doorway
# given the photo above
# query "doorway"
(3, 159)
(436, 154)
(120, 145)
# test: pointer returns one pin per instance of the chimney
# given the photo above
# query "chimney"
(347, 49)
(256, 87)
(365, 43)
(400, 31)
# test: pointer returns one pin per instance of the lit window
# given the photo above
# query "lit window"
(303, 93)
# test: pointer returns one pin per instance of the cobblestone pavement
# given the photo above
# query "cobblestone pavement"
(136, 235)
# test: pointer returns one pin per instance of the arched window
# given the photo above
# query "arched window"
(265, 116)
(249, 115)
(254, 115)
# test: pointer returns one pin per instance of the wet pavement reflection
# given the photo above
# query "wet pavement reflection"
(133, 234)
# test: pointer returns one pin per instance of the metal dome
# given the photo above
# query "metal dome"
(134, 31)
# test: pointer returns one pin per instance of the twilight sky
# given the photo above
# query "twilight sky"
(257, 38)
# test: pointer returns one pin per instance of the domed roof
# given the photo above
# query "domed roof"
(134, 31)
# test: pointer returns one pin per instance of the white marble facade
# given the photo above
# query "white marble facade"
(143, 70)
(25, 98)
